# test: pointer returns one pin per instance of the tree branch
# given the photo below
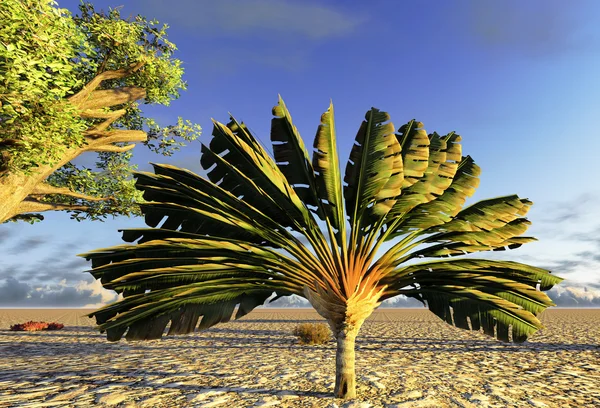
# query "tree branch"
(99, 114)
(115, 136)
(82, 96)
(112, 148)
(4, 159)
(29, 205)
(104, 62)
(110, 97)
(43, 189)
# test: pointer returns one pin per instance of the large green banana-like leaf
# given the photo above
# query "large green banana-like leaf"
(192, 273)
(491, 237)
(147, 315)
(494, 314)
(415, 152)
(459, 249)
(373, 162)
(434, 172)
(491, 282)
(328, 177)
(444, 207)
(254, 162)
(486, 215)
(516, 271)
(196, 205)
(240, 185)
(498, 293)
(291, 156)
(293, 161)
(203, 253)
(231, 158)
(487, 225)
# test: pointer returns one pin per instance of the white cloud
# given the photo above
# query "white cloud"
(583, 293)
(575, 296)
(96, 290)
(545, 27)
(14, 293)
(312, 20)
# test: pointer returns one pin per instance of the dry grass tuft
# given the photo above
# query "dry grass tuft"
(312, 333)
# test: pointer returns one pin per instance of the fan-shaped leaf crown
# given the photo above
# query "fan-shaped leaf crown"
(288, 224)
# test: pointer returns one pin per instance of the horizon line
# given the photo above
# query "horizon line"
(263, 307)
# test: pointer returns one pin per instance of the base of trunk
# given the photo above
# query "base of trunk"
(345, 375)
(345, 387)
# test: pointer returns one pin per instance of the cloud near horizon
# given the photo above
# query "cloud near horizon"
(82, 294)
(90, 294)
(58, 278)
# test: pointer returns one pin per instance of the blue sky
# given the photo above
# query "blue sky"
(518, 80)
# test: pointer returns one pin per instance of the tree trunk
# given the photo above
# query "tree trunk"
(345, 374)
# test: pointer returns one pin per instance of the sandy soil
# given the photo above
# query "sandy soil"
(405, 358)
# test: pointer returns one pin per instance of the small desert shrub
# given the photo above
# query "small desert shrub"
(312, 333)
(36, 326)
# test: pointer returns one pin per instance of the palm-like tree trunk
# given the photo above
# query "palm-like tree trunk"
(345, 318)
(345, 374)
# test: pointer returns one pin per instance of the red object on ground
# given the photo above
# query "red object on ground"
(36, 326)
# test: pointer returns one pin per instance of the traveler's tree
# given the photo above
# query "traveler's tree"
(70, 85)
(233, 240)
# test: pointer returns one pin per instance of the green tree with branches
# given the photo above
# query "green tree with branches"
(73, 84)
(233, 239)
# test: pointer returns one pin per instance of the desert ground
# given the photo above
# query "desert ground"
(405, 358)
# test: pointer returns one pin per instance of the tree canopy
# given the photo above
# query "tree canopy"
(227, 241)
(73, 84)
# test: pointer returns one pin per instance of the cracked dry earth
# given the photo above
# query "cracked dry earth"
(405, 358)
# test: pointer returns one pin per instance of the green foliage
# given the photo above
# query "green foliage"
(228, 239)
(48, 55)
(37, 45)
(312, 333)
(114, 175)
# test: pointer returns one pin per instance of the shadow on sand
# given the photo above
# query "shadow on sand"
(136, 379)
(86, 340)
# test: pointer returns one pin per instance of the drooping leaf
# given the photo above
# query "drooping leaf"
(495, 315)
(145, 266)
(145, 316)
(519, 272)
